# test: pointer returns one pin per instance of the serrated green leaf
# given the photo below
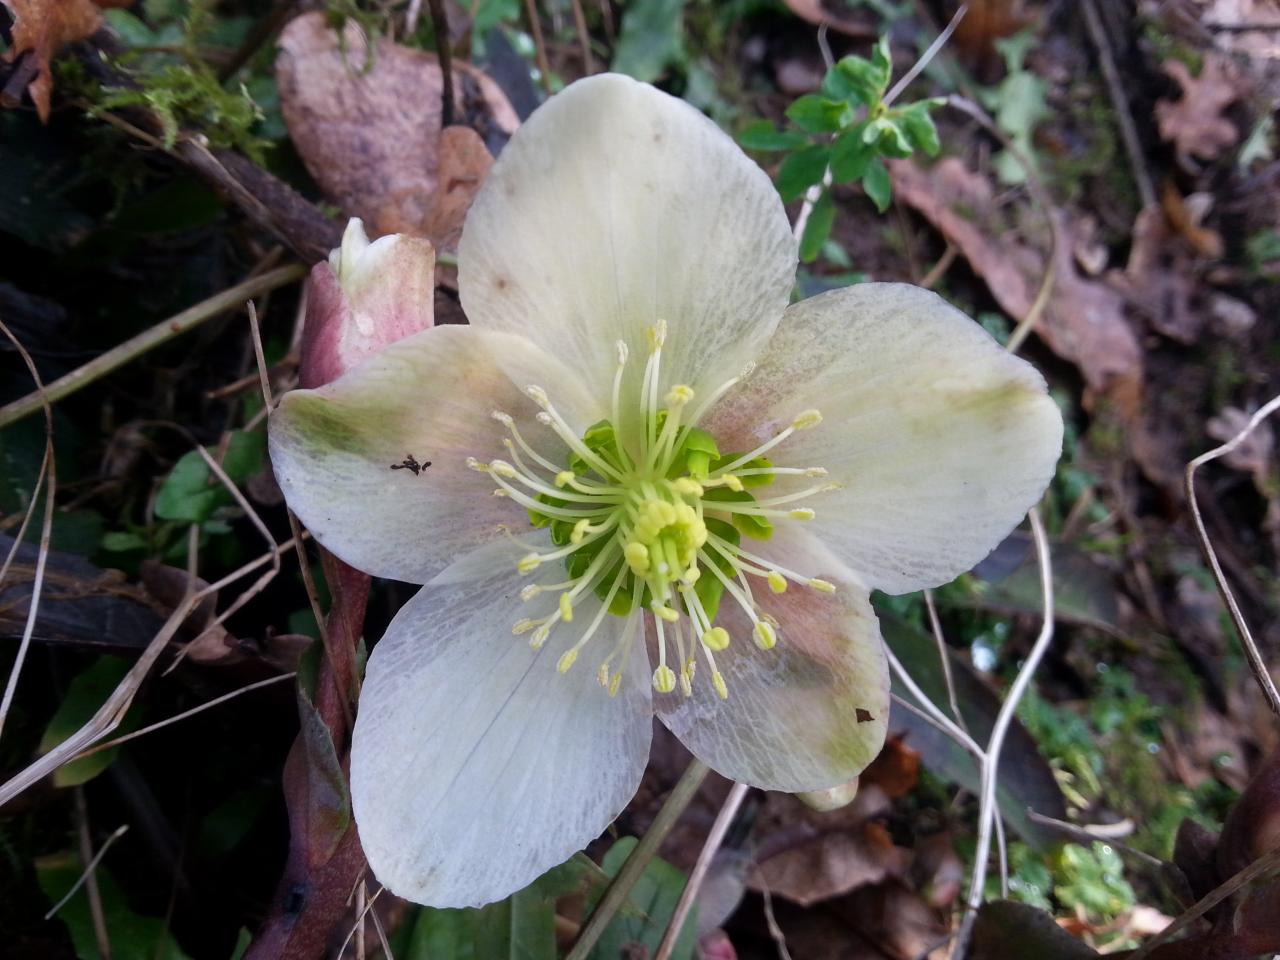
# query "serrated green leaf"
(865, 80)
(919, 127)
(877, 184)
(816, 114)
(801, 170)
(764, 136)
(818, 228)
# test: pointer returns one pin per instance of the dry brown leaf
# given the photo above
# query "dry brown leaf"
(367, 123)
(830, 865)
(1084, 320)
(43, 27)
(1159, 279)
(464, 163)
(1195, 124)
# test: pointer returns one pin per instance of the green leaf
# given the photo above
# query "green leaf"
(131, 935)
(187, 494)
(651, 40)
(816, 114)
(818, 228)
(86, 693)
(919, 127)
(763, 135)
(889, 137)
(653, 899)
(119, 542)
(246, 455)
(802, 170)
(882, 61)
(850, 154)
(865, 80)
(877, 184)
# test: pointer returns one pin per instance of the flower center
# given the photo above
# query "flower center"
(649, 516)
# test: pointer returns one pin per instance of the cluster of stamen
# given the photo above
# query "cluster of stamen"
(650, 519)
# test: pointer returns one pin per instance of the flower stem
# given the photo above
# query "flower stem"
(616, 895)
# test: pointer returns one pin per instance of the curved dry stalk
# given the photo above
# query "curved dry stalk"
(690, 892)
(927, 57)
(48, 471)
(1004, 719)
(119, 832)
(616, 895)
(936, 626)
(109, 715)
(1256, 663)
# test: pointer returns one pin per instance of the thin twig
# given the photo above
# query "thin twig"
(944, 658)
(1256, 663)
(149, 339)
(1004, 720)
(939, 269)
(690, 892)
(1253, 871)
(775, 931)
(1120, 102)
(584, 38)
(151, 728)
(49, 469)
(444, 51)
(120, 831)
(87, 857)
(927, 57)
(1041, 196)
(616, 895)
(539, 45)
(362, 908)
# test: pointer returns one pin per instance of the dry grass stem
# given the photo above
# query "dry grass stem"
(96, 914)
(48, 470)
(690, 892)
(120, 831)
(1004, 719)
(927, 57)
(539, 45)
(944, 659)
(1256, 663)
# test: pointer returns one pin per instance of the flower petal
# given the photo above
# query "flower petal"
(812, 712)
(942, 440)
(475, 766)
(336, 450)
(614, 206)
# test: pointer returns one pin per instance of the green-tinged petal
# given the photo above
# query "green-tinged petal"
(475, 765)
(614, 206)
(808, 714)
(941, 439)
(342, 452)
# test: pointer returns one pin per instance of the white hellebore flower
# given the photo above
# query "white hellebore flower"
(677, 530)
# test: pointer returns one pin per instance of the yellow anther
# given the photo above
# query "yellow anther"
(657, 335)
(539, 396)
(717, 681)
(637, 557)
(524, 625)
(664, 679)
(566, 660)
(503, 418)
(603, 675)
(732, 482)
(529, 592)
(544, 418)
(614, 684)
(566, 608)
(678, 395)
(563, 478)
(528, 563)
(686, 682)
(822, 585)
(476, 465)
(807, 419)
(499, 493)
(688, 487)
(815, 472)
(665, 612)
(777, 582)
(502, 468)
(540, 636)
(765, 635)
(579, 531)
(622, 352)
(804, 513)
(716, 639)
(691, 575)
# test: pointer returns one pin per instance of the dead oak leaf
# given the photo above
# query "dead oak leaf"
(1194, 124)
(43, 27)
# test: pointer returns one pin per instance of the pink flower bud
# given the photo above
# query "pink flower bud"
(367, 296)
